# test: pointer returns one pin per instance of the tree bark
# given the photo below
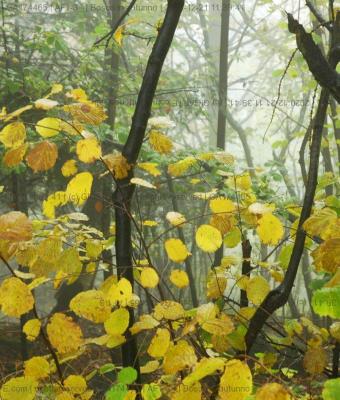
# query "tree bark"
(124, 191)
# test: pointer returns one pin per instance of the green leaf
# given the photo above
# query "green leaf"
(117, 392)
(127, 375)
(326, 302)
(331, 389)
(104, 369)
(151, 392)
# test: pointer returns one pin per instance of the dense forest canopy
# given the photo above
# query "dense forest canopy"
(169, 200)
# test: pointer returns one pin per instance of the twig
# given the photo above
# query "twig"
(110, 34)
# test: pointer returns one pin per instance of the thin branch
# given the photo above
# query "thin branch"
(110, 34)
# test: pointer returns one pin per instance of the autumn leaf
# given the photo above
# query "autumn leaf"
(64, 334)
(160, 142)
(16, 298)
(270, 229)
(176, 250)
(159, 343)
(149, 277)
(13, 135)
(208, 238)
(48, 127)
(88, 150)
(15, 226)
(79, 188)
(92, 305)
(236, 382)
(42, 157)
(13, 157)
(69, 168)
(179, 278)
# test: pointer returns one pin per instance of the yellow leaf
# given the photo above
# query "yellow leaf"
(270, 229)
(16, 298)
(79, 188)
(216, 284)
(150, 223)
(159, 343)
(32, 329)
(150, 167)
(42, 157)
(224, 158)
(178, 357)
(91, 305)
(208, 238)
(75, 384)
(315, 360)
(175, 218)
(149, 367)
(149, 277)
(221, 205)
(176, 250)
(180, 167)
(13, 157)
(78, 95)
(160, 142)
(21, 388)
(13, 135)
(37, 368)
(236, 382)
(205, 367)
(335, 330)
(118, 36)
(69, 168)
(54, 200)
(223, 222)
(120, 292)
(16, 113)
(69, 262)
(146, 322)
(317, 224)
(64, 334)
(179, 278)
(272, 391)
(118, 165)
(257, 289)
(15, 226)
(56, 88)
(48, 127)
(169, 310)
(87, 112)
(219, 326)
(118, 322)
(49, 248)
(88, 150)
